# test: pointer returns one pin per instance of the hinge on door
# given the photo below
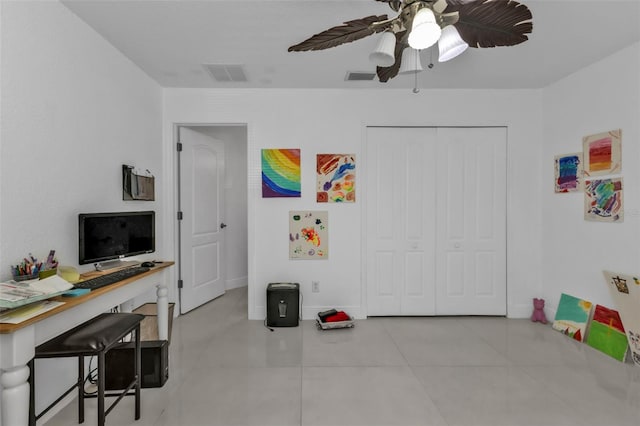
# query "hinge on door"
(179, 147)
(180, 284)
(179, 215)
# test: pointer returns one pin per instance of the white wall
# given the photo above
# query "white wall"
(74, 109)
(320, 121)
(604, 96)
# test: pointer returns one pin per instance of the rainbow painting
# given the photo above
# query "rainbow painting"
(568, 171)
(602, 153)
(572, 317)
(336, 178)
(606, 333)
(603, 201)
(280, 173)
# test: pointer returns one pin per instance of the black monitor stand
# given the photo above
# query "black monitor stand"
(115, 264)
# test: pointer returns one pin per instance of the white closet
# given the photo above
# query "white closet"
(436, 221)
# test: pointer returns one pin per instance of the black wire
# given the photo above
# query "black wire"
(92, 377)
(265, 324)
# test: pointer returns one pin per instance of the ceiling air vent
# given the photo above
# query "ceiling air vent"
(360, 76)
(225, 73)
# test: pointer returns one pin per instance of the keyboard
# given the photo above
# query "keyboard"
(112, 278)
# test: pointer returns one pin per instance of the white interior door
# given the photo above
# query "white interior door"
(401, 223)
(202, 202)
(436, 221)
(471, 268)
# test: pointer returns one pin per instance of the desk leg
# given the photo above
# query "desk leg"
(163, 312)
(15, 396)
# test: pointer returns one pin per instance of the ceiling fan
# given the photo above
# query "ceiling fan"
(453, 24)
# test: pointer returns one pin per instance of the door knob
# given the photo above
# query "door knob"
(223, 225)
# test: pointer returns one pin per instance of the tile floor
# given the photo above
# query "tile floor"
(226, 370)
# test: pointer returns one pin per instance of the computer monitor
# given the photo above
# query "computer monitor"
(113, 236)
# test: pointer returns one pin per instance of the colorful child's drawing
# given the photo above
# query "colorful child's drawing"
(602, 153)
(572, 316)
(625, 292)
(603, 200)
(606, 333)
(336, 178)
(568, 171)
(308, 235)
(280, 173)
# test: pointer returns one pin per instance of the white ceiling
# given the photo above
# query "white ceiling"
(171, 39)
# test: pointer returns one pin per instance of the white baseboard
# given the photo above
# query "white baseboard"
(311, 312)
(519, 311)
(236, 283)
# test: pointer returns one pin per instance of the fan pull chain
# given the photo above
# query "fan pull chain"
(415, 73)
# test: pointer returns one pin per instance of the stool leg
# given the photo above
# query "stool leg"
(101, 374)
(81, 389)
(32, 391)
(138, 371)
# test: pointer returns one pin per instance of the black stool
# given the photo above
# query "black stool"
(94, 337)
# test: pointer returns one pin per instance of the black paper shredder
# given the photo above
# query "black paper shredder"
(283, 304)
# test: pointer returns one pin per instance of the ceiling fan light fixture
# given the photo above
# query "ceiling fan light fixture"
(450, 44)
(421, 23)
(425, 31)
(383, 55)
(410, 61)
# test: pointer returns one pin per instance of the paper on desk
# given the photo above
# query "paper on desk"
(52, 284)
(16, 316)
(14, 294)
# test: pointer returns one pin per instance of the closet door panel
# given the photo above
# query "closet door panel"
(473, 222)
(400, 214)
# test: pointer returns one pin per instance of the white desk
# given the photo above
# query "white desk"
(18, 341)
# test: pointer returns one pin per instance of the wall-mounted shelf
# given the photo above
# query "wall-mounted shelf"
(136, 186)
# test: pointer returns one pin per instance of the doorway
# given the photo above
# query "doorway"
(212, 211)
(436, 221)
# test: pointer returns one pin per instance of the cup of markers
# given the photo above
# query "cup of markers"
(30, 268)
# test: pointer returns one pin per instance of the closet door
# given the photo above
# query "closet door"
(400, 217)
(436, 221)
(471, 265)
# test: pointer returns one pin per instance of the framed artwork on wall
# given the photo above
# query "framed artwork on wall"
(602, 153)
(568, 172)
(280, 173)
(603, 200)
(308, 235)
(336, 175)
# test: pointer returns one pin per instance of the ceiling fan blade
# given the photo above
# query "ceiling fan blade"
(491, 23)
(393, 4)
(387, 73)
(346, 33)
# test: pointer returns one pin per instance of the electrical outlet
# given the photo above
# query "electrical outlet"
(315, 286)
